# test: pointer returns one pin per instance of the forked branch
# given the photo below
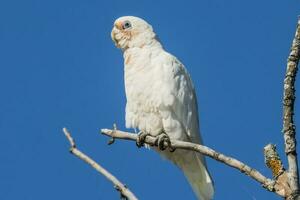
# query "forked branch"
(124, 191)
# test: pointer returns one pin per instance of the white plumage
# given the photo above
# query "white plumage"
(161, 97)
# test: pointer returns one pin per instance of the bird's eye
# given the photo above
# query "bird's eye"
(126, 25)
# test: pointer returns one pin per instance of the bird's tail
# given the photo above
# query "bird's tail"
(195, 171)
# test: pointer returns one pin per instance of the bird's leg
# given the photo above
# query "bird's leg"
(141, 138)
(160, 142)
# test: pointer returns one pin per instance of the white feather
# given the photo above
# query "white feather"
(161, 97)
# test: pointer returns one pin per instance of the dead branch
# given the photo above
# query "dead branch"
(280, 175)
(273, 160)
(124, 191)
(177, 144)
(289, 128)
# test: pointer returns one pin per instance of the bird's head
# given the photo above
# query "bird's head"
(129, 31)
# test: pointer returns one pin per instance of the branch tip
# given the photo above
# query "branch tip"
(102, 131)
(273, 160)
(69, 138)
(124, 191)
(115, 126)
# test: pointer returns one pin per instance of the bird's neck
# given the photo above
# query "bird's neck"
(153, 43)
(140, 55)
(148, 45)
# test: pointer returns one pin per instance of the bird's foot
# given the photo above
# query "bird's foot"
(160, 142)
(141, 139)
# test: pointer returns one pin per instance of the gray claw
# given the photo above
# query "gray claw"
(141, 139)
(160, 142)
(172, 149)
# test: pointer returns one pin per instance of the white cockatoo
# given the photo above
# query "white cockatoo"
(161, 98)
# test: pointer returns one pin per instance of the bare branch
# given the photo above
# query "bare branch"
(273, 160)
(124, 191)
(289, 129)
(177, 144)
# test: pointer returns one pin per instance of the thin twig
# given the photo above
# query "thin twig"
(177, 144)
(124, 191)
(289, 129)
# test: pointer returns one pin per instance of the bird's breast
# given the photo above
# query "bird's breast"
(142, 82)
(142, 76)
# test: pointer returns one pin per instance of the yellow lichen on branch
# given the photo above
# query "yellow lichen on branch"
(273, 160)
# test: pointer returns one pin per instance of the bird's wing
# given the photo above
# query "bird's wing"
(179, 97)
(179, 104)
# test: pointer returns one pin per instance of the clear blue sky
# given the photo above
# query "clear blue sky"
(60, 68)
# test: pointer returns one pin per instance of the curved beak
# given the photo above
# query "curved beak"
(118, 25)
(113, 34)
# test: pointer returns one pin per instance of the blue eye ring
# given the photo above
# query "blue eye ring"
(126, 25)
